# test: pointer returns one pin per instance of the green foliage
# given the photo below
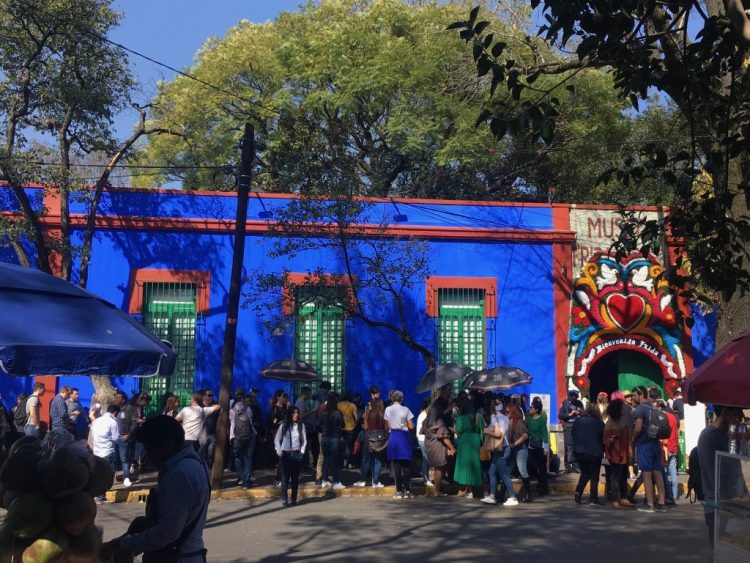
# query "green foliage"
(378, 93)
(647, 45)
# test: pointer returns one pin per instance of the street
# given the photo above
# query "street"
(446, 529)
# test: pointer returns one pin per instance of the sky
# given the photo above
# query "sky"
(172, 31)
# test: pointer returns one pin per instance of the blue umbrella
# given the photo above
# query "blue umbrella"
(51, 327)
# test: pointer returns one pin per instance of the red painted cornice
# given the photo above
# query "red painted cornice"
(264, 227)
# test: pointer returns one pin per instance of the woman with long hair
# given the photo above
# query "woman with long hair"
(332, 425)
(519, 450)
(290, 444)
(172, 406)
(536, 421)
(277, 413)
(617, 447)
(399, 422)
(588, 447)
(438, 445)
(376, 441)
(469, 427)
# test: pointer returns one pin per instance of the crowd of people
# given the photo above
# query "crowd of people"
(621, 432)
(479, 441)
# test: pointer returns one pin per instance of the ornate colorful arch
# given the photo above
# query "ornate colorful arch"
(625, 305)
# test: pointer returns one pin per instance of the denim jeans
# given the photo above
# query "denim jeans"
(591, 467)
(500, 467)
(331, 448)
(31, 430)
(123, 452)
(671, 480)
(207, 449)
(371, 461)
(521, 457)
(242, 451)
(425, 465)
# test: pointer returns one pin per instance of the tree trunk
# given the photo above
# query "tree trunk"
(734, 316)
(105, 391)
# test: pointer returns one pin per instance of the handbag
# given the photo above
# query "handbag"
(296, 455)
(377, 440)
(492, 444)
(535, 443)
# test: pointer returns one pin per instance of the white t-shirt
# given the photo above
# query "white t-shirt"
(420, 421)
(504, 423)
(104, 434)
(397, 415)
(192, 419)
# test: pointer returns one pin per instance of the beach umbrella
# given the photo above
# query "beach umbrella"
(52, 327)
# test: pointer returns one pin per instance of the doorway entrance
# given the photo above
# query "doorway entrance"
(623, 369)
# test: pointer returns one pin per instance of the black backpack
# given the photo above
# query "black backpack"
(242, 424)
(658, 425)
(695, 483)
(20, 418)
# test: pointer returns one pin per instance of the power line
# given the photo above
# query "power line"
(182, 72)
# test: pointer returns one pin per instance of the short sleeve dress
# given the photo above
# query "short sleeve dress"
(468, 469)
(433, 444)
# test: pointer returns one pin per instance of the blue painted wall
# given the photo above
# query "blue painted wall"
(523, 332)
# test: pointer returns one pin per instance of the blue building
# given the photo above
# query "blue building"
(497, 289)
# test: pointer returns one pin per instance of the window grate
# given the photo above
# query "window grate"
(169, 311)
(461, 328)
(319, 336)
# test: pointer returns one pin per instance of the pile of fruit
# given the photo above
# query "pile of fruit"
(50, 504)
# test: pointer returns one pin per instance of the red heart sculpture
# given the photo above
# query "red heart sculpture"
(626, 311)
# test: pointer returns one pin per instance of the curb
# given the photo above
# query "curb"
(310, 490)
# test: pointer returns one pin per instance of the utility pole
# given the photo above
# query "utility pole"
(247, 153)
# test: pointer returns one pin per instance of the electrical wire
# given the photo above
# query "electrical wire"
(181, 72)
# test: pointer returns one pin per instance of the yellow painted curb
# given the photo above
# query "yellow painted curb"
(312, 491)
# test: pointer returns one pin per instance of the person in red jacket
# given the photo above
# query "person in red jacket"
(670, 447)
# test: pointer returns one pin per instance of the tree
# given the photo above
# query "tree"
(61, 83)
(379, 92)
(378, 270)
(693, 52)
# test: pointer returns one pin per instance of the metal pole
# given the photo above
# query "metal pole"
(233, 303)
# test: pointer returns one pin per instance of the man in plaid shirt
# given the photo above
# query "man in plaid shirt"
(58, 411)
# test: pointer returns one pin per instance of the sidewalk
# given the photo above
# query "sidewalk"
(263, 487)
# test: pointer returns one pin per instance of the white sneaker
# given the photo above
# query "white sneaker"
(126, 482)
(489, 500)
(360, 484)
(429, 484)
(326, 484)
(378, 485)
(469, 495)
(339, 485)
(512, 501)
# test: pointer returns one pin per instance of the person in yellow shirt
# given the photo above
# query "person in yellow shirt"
(349, 412)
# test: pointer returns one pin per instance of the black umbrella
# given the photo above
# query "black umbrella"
(290, 370)
(441, 375)
(52, 327)
(500, 378)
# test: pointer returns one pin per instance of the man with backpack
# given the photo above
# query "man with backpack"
(570, 409)
(242, 435)
(650, 427)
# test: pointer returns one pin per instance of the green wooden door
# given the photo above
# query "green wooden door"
(461, 328)
(319, 341)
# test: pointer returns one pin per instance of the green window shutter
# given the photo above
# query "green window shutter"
(169, 311)
(319, 336)
(461, 327)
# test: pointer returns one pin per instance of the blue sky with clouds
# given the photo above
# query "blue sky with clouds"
(171, 31)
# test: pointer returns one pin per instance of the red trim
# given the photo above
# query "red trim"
(138, 277)
(435, 283)
(562, 276)
(294, 279)
(50, 390)
(262, 227)
(605, 207)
